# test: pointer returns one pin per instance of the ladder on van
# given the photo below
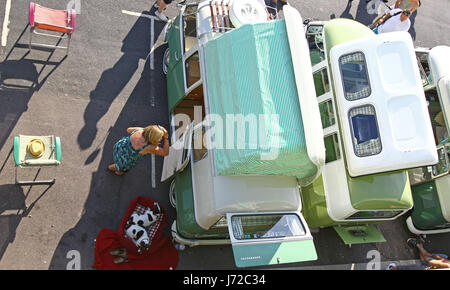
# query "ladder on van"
(220, 15)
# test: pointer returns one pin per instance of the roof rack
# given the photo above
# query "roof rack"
(220, 16)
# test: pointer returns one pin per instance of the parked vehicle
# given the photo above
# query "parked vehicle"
(229, 67)
(431, 184)
(375, 123)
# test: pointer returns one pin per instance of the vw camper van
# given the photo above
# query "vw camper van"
(431, 184)
(375, 124)
(245, 130)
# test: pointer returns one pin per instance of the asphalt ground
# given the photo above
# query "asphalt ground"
(112, 80)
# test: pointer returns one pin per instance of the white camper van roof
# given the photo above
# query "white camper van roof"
(381, 103)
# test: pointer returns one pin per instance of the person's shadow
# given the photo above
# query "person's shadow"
(135, 47)
(412, 30)
(12, 201)
(362, 12)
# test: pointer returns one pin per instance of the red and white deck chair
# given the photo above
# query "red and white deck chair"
(43, 18)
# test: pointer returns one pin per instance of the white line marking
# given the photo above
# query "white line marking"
(5, 30)
(152, 43)
(153, 172)
(152, 32)
(137, 14)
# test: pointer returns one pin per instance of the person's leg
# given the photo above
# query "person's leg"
(113, 168)
(422, 251)
(162, 5)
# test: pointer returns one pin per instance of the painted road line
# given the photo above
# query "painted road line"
(137, 14)
(153, 172)
(353, 266)
(152, 43)
(5, 29)
(152, 32)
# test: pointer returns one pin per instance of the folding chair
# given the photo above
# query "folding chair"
(48, 19)
(47, 154)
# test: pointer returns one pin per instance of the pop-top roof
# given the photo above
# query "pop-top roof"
(251, 82)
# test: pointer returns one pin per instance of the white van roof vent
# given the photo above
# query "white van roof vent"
(247, 11)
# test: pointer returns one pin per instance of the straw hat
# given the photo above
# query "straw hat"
(36, 147)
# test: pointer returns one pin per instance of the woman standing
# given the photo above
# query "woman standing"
(410, 5)
(129, 150)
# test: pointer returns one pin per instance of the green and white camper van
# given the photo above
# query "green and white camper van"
(375, 124)
(431, 184)
(245, 129)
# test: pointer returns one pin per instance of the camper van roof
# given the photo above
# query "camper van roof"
(381, 103)
(251, 82)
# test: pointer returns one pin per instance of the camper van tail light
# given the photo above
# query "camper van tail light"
(354, 76)
(365, 133)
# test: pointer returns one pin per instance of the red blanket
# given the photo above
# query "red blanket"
(161, 255)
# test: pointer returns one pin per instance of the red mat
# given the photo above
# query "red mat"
(161, 255)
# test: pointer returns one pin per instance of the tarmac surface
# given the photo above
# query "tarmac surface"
(111, 80)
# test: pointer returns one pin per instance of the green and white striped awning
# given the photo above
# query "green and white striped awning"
(250, 78)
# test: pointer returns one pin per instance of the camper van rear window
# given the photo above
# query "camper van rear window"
(266, 226)
(354, 75)
(365, 133)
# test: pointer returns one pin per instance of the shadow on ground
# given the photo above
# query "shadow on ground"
(20, 77)
(109, 194)
(12, 210)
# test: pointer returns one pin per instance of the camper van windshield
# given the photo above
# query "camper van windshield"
(266, 226)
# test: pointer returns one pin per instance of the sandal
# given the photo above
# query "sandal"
(118, 252)
(412, 242)
(120, 260)
(112, 168)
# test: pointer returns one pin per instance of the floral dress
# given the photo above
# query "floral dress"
(124, 155)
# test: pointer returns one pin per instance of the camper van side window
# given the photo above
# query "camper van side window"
(192, 69)
(321, 82)
(332, 152)
(327, 114)
(365, 133)
(354, 76)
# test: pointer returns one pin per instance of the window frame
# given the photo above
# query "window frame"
(353, 133)
(366, 74)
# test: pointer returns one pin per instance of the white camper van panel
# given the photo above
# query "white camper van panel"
(381, 102)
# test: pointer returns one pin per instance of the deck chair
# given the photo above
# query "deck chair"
(26, 157)
(56, 21)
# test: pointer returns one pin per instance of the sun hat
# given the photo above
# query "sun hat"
(36, 147)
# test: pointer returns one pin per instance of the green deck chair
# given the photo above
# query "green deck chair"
(49, 157)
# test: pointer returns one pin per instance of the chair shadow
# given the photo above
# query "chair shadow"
(109, 195)
(12, 201)
(20, 78)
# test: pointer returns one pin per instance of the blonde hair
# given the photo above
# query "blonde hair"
(153, 134)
